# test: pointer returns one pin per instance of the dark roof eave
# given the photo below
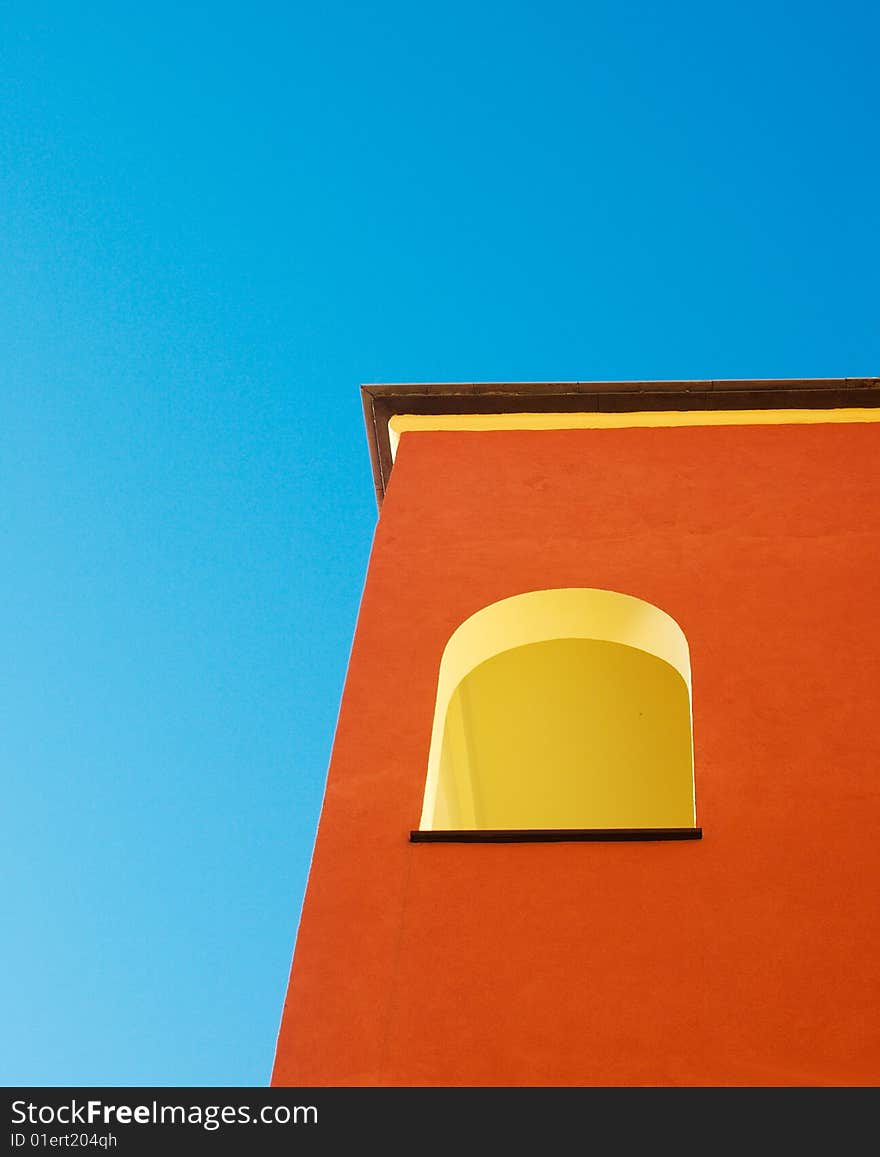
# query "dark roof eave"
(381, 401)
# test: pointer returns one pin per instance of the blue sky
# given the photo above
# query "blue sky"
(218, 220)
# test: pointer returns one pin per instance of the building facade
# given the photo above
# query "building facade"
(604, 797)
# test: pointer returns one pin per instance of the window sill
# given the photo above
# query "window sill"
(550, 835)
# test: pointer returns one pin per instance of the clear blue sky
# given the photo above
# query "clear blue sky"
(218, 220)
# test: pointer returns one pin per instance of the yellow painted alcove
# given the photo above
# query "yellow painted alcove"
(565, 709)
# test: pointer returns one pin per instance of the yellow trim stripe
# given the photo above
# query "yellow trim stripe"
(400, 424)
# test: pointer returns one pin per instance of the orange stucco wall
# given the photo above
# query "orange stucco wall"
(747, 958)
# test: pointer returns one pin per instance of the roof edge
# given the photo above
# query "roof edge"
(381, 401)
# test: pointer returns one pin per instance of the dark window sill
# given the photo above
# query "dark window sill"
(550, 835)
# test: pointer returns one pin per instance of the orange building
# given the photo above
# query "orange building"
(603, 807)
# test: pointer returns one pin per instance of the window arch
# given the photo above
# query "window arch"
(562, 714)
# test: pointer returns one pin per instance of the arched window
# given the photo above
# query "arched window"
(562, 714)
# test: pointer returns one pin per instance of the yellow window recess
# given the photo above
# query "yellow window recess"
(562, 714)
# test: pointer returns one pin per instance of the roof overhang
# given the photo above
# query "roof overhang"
(382, 402)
